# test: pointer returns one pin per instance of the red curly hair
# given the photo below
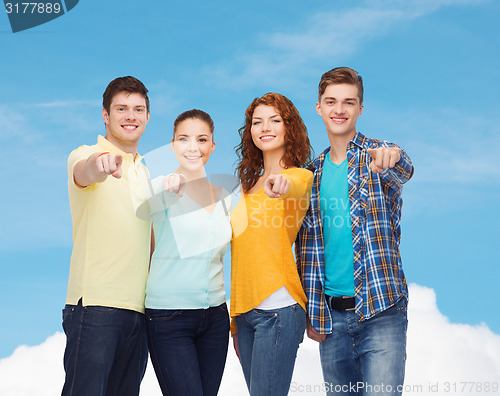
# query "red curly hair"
(298, 152)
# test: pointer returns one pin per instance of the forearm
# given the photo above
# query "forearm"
(86, 173)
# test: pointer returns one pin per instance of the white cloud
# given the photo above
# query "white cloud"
(443, 358)
(34, 370)
(441, 352)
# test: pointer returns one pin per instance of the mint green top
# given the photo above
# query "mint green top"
(337, 234)
(186, 267)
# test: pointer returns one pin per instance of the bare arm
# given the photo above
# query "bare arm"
(96, 168)
(235, 345)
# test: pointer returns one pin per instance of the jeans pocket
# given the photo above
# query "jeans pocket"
(266, 312)
(300, 322)
(157, 315)
(67, 317)
(401, 306)
(402, 309)
(222, 307)
(99, 309)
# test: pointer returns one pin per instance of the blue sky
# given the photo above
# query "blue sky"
(431, 70)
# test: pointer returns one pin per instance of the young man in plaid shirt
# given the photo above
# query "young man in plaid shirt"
(348, 249)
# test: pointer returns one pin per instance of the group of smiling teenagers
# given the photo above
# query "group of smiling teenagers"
(314, 249)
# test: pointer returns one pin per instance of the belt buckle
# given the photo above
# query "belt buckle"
(350, 309)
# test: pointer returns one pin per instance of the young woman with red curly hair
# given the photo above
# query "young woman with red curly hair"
(267, 299)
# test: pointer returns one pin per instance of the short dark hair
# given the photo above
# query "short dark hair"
(341, 75)
(197, 115)
(124, 84)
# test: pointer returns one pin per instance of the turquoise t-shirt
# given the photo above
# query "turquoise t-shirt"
(337, 234)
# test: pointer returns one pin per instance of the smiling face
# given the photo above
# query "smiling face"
(340, 108)
(192, 144)
(126, 120)
(268, 130)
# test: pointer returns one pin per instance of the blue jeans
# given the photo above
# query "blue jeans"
(188, 348)
(268, 341)
(368, 357)
(106, 351)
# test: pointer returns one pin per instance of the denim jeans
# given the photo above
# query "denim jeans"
(106, 351)
(188, 348)
(367, 357)
(268, 341)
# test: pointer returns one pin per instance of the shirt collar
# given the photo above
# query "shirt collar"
(108, 146)
(319, 160)
(358, 140)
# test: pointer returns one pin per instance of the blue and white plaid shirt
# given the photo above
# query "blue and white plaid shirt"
(375, 208)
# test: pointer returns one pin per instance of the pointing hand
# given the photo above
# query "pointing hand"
(175, 183)
(276, 185)
(383, 157)
(109, 164)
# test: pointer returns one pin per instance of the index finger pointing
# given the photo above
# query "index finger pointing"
(118, 160)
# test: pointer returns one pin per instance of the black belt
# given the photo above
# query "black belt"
(344, 303)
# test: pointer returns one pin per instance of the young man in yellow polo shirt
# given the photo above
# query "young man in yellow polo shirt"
(106, 348)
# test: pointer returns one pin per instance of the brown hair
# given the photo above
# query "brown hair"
(123, 84)
(196, 115)
(298, 152)
(341, 75)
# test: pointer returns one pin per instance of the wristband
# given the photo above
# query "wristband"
(106, 152)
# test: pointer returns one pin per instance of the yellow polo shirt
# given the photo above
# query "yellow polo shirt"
(110, 259)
